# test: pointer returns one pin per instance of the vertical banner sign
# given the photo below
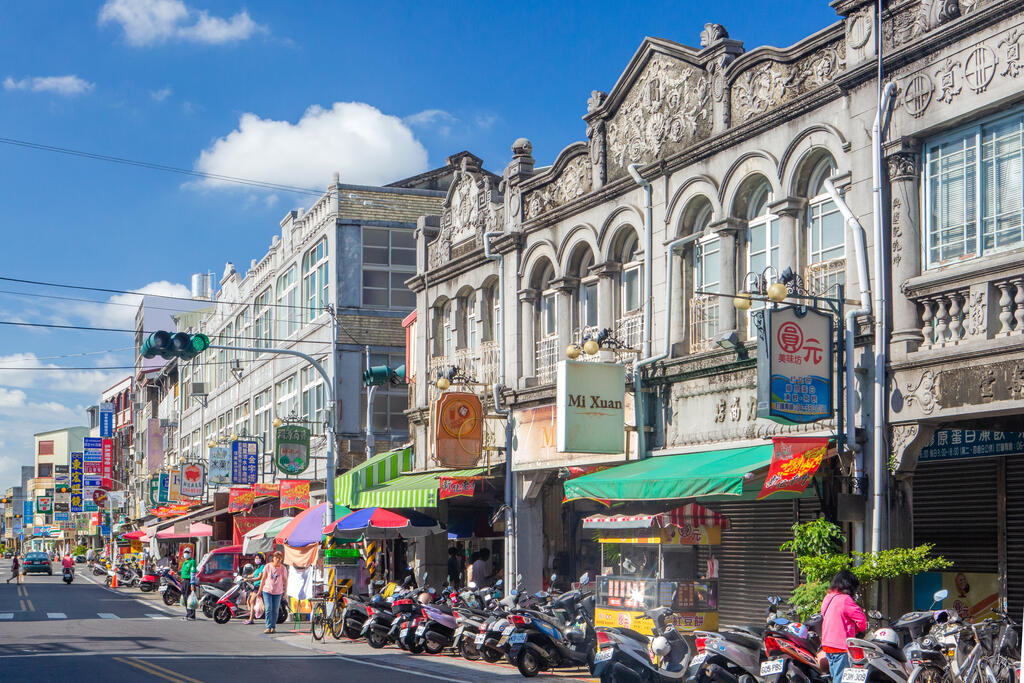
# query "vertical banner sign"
(154, 490)
(590, 407)
(154, 445)
(240, 499)
(244, 462)
(794, 364)
(27, 512)
(794, 462)
(107, 472)
(243, 525)
(295, 494)
(77, 472)
(220, 465)
(174, 484)
(457, 426)
(292, 449)
(106, 420)
(165, 486)
(192, 480)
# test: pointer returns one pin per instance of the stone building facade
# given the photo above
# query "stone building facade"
(735, 146)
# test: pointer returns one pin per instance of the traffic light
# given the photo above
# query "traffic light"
(382, 374)
(178, 345)
(4, 501)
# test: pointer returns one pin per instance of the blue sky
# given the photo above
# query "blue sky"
(285, 92)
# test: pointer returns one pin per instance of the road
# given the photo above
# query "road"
(85, 632)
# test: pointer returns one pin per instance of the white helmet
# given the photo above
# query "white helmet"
(887, 636)
(660, 646)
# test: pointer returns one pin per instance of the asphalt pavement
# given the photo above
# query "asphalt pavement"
(83, 632)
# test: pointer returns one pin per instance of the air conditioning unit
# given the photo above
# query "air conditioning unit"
(235, 365)
(199, 388)
(137, 407)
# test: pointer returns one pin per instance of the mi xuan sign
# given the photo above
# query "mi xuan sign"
(589, 416)
(795, 363)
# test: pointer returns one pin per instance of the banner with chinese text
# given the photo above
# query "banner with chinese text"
(266, 489)
(244, 460)
(240, 499)
(243, 525)
(451, 487)
(294, 494)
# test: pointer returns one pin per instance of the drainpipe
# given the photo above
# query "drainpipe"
(638, 399)
(856, 231)
(510, 556)
(882, 289)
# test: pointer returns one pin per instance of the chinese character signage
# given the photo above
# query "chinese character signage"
(44, 504)
(154, 490)
(108, 460)
(60, 516)
(93, 448)
(953, 444)
(794, 462)
(240, 499)
(174, 484)
(99, 496)
(106, 420)
(292, 450)
(294, 494)
(27, 512)
(193, 480)
(590, 407)
(266, 489)
(164, 489)
(794, 364)
(220, 465)
(77, 473)
(244, 462)
(451, 487)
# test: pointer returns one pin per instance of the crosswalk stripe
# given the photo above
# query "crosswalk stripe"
(56, 615)
(107, 615)
(6, 615)
(158, 616)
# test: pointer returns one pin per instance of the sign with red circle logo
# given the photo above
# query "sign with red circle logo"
(794, 365)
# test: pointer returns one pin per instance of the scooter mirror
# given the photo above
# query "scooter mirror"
(940, 595)
(585, 579)
(554, 577)
(498, 583)
(874, 614)
(519, 578)
(472, 585)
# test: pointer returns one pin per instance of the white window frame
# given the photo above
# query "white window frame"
(447, 330)
(472, 334)
(262, 410)
(287, 290)
(315, 280)
(262, 319)
(587, 303)
(314, 399)
(548, 314)
(701, 248)
(768, 249)
(286, 397)
(392, 269)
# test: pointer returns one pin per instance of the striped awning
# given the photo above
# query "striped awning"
(411, 491)
(686, 516)
(374, 472)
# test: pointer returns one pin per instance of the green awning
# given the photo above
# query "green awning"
(374, 472)
(669, 477)
(412, 491)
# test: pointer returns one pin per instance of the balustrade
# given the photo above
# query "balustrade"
(972, 312)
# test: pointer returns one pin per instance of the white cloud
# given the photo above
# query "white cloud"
(19, 370)
(151, 22)
(353, 138)
(12, 398)
(161, 94)
(485, 121)
(68, 86)
(429, 117)
(119, 310)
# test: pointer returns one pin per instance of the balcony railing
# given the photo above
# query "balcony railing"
(971, 312)
(629, 329)
(546, 360)
(489, 363)
(821, 278)
(703, 322)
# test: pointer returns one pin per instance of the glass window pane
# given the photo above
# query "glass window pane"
(403, 239)
(375, 297)
(375, 255)
(833, 233)
(375, 237)
(398, 280)
(403, 257)
(403, 298)
(375, 278)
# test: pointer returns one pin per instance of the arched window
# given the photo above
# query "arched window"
(632, 275)
(492, 313)
(287, 303)
(447, 330)
(471, 331)
(545, 325)
(762, 240)
(703, 303)
(585, 304)
(826, 234)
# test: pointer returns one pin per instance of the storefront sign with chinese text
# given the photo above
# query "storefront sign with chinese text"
(107, 446)
(294, 494)
(44, 504)
(220, 465)
(193, 479)
(77, 472)
(794, 364)
(457, 429)
(174, 484)
(291, 453)
(266, 489)
(106, 420)
(590, 405)
(243, 525)
(794, 462)
(26, 510)
(451, 487)
(163, 492)
(240, 499)
(244, 462)
(953, 444)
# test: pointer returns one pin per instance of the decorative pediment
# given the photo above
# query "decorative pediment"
(471, 208)
(571, 176)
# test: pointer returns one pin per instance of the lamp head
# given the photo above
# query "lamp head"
(590, 347)
(278, 422)
(442, 383)
(572, 352)
(742, 301)
(777, 292)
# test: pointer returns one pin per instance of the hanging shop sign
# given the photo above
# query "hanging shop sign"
(452, 487)
(106, 420)
(220, 465)
(154, 490)
(266, 489)
(44, 504)
(59, 507)
(99, 496)
(240, 499)
(590, 415)
(458, 429)
(165, 487)
(794, 462)
(27, 512)
(174, 484)
(294, 494)
(795, 362)
(77, 472)
(193, 480)
(244, 462)
(243, 525)
(154, 445)
(107, 447)
(291, 454)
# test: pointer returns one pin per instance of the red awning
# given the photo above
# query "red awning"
(687, 515)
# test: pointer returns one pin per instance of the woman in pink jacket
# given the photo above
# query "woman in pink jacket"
(841, 618)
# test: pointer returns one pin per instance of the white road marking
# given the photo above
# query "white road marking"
(158, 616)
(56, 615)
(6, 615)
(390, 667)
(107, 615)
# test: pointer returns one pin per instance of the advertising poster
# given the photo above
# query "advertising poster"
(295, 494)
(154, 445)
(77, 473)
(267, 489)
(794, 462)
(240, 499)
(244, 462)
(193, 480)
(972, 595)
(220, 465)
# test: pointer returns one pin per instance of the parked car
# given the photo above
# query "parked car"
(37, 563)
(222, 563)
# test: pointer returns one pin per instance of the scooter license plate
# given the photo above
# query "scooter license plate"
(517, 638)
(698, 659)
(403, 632)
(855, 675)
(420, 630)
(479, 640)
(508, 630)
(604, 655)
(162, 589)
(772, 666)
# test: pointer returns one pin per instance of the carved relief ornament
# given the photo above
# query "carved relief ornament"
(771, 84)
(468, 214)
(924, 394)
(575, 180)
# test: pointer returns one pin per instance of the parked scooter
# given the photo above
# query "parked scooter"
(211, 593)
(437, 630)
(727, 656)
(150, 580)
(234, 603)
(474, 609)
(629, 657)
(562, 635)
(355, 614)
(791, 648)
(171, 587)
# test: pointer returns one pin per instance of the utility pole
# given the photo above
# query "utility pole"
(371, 391)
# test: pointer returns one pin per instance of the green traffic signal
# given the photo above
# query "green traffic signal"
(178, 345)
(382, 374)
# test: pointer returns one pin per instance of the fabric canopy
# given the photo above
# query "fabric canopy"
(261, 539)
(411, 491)
(195, 530)
(135, 535)
(381, 523)
(374, 472)
(671, 477)
(690, 515)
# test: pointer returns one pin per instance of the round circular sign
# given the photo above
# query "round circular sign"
(99, 496)
(790, 337)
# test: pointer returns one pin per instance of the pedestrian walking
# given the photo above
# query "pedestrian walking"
(15, 569)
(841, 618)
(188, 573)
(275, 577)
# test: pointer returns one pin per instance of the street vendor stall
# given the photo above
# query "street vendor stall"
(652, 560)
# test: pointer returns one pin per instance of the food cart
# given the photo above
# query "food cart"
(653, 560)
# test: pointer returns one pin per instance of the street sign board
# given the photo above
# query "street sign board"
(192, 480)
(77, 473)
(106, 420)
(165, 485)
(292, 449)
(244, 461)
(220, 465)
(93, 448)
(795, 364)
(99, 496)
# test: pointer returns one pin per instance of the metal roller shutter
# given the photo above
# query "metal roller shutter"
(955, 508)
(751, 566)
(1015, 534)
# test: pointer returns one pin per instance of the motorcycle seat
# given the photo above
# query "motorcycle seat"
(741, 638)
(893, 652)
(630, 633)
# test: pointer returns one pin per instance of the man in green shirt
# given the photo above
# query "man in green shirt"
(188, 575)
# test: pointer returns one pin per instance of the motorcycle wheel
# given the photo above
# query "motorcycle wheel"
(375, 640)
(491, 656)
(590, 661)
(351, 632)
(468, 650)
(527, 663)
(145, 587)
(134, 583)
(318, 622)
(432, 647)
(171, 598)
(415, 648)
(208, 610)
(222, 614)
